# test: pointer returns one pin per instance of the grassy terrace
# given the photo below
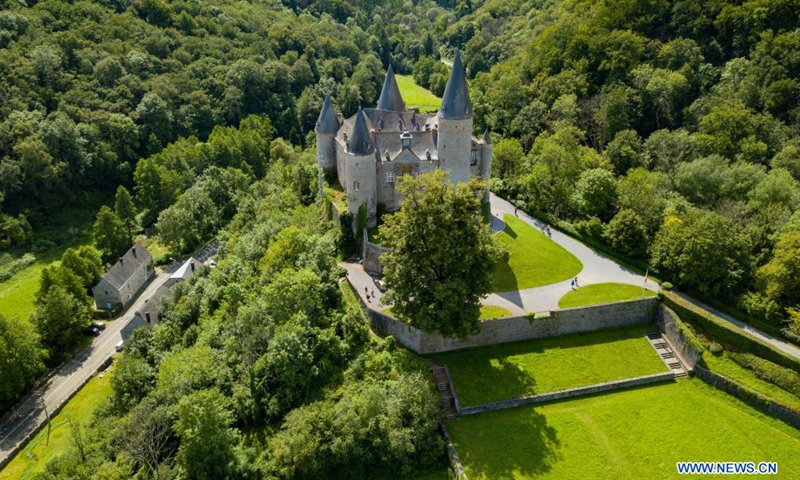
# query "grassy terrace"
(534, 260)
(633, 434)
(603, 293)
(512, 370)
(416, 97)
(38, 452)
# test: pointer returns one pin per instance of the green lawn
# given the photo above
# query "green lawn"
(534, 260)
(512, 370)
(38, 452)
(16, 293)
(728, 368)
(493, 311)
(416, 97)
(603, 293)
(634, 434)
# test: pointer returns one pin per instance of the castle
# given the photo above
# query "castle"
(371, 150)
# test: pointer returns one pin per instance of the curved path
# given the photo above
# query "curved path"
(596, 269)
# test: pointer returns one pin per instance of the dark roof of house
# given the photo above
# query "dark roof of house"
(122, 270)
(327, 122)
(390, 98)
(455, 101)
(360, 141)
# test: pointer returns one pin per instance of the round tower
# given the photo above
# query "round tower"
(455, 125)
(361, 171)
(326, 128)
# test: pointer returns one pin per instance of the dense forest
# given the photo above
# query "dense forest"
(665, 133)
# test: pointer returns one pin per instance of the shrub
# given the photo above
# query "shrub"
(626, 233)
(715, 348)
(667, 286)
(761, 308)
(10, 267)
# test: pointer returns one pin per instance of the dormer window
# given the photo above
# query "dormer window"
(386, 156)
(390, 177)
(428, 155)
(473, 158)
(405, 139)
(356, 186)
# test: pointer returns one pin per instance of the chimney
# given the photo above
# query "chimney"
(192, 265)
(120, 261)
(134, 252)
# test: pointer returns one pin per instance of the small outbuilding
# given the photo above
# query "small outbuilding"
(124, 280)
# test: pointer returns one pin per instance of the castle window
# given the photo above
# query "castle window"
(473, 159)
(356, 186)
(390, 177)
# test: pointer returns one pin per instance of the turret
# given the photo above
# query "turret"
(390, 98)
(455, 125)
(326, 128)
(361, 170)
(486, 161)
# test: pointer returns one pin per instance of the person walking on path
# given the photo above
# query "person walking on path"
(572, 284)
(515, 212)
(575, 282)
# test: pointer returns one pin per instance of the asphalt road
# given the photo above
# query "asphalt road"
(31, 414)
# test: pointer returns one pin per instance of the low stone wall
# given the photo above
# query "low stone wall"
(452, 455)
(515, 329)
(670, 326)
(371, 254)
(754, 399)
(569, 393)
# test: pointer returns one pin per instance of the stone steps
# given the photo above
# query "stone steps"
(447, 400)
(670, 359)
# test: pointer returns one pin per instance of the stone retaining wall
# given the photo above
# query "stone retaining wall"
(371, 254)
(669, 324)
(754, 399)
(452, 455)
(515, 329)
(568, 393)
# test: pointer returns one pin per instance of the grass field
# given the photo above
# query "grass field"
(633, 434)
(597, 293)
(728, 368)
(416, 97)
(38, 452)
(16, 293)
(534, 260)
(493, 311)
(511, 370)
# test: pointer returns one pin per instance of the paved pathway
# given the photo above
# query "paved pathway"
(596, 269)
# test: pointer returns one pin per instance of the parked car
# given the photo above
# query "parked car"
(93, 331)
(100, 325)
(380, 284)
(120, 345)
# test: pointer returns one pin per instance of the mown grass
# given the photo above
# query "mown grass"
(16, 294)
(534, 259)
(417, 97)
(726, 367)
(512, 370)
(632, 434)
(33, 458)
(598, 293)
(493, 311)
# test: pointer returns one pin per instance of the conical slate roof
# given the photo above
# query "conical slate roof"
(455, 102)
(360, 141)
(327, 121)
(486, 138)
(390, 98)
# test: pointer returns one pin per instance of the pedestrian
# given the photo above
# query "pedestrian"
(515, 212)
(576, 282)
(572, 284)
(549, 233)
(372, 292)
(366, 291)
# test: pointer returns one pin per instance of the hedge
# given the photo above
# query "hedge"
(784, 378)
(725, 333)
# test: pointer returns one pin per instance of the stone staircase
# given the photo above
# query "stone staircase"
(445, 391)
(668, 356)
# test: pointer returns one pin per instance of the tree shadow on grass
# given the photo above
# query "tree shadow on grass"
(507, 444)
